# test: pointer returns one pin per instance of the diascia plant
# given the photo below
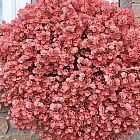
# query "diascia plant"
(71, 70)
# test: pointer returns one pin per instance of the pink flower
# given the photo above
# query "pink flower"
(28, 104)
(70, 130)
(56, 116)
(110, 108)
(54, 106)
(72, 71)
(128, 106)
(123, 95)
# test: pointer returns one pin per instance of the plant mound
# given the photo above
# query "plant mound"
(71, 70)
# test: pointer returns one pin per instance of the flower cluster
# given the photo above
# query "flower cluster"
(71, 70)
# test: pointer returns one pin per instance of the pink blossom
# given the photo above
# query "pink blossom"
(69, 72)
(128, 106)
(54, 106)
